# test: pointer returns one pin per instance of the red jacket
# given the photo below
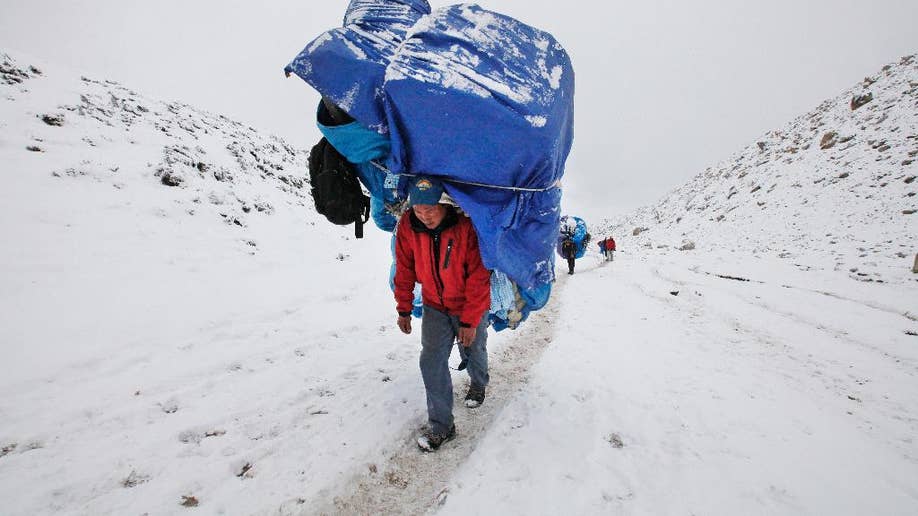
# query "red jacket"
(446, 262)
(610, 244)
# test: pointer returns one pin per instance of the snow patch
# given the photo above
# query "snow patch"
(537, 121)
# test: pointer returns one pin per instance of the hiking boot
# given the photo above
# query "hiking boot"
(475, 397)
(430, 441)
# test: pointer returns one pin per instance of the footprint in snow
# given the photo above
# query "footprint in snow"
(6, 450)
(169, 406)
(134, 480)
(582, 396)
(195, 436)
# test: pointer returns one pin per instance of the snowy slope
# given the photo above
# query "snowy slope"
(833, 189)
(674, 391)
(156, 338)
(178, 327)
(90, 211)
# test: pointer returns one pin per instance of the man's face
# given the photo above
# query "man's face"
(431, 215)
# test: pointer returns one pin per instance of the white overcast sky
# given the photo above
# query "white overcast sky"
(664, 88)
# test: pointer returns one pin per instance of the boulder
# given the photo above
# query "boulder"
(55, 120)
(828, 140)
(859, 100)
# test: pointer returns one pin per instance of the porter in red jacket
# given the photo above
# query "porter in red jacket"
(438, 247)
(446, 262)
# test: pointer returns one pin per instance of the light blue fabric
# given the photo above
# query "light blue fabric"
(530, 300)
(503, 298)
(355, 142)
(382, 217)
(361, 145)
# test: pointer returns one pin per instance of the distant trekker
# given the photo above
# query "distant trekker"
(609, 248)
(569, 252)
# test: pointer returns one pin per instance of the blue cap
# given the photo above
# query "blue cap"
(425, 190)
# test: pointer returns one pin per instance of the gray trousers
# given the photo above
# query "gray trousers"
(438, 335)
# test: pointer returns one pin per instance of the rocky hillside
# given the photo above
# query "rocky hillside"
(833, 189)
(79, 128)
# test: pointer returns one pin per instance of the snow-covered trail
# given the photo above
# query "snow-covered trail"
(790, 393)
(410, 481)
(786, 394)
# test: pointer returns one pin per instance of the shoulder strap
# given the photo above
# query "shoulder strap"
(362, 218)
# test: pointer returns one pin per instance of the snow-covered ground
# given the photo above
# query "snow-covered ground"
(670, 390)
(177, 326)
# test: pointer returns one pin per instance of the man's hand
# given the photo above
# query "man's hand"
(467, 336)
(404, 324)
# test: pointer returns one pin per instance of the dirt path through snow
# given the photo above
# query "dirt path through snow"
(414, 482)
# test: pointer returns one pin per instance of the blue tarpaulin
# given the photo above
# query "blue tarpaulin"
(574, 228)
(473, 97)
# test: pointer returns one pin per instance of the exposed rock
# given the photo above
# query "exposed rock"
(12, 75)
(10, 447)
(170, 178)
(687, 245)
(264, 207)
(828, 140)
(860, 100)
(246, 471)
(54, 120)
(221, 174)
(915, 267)
(615, 440)
(638, 230)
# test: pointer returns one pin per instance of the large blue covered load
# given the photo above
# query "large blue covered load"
(475, 98)
(478, 97)
(575, 229)
(348, 64)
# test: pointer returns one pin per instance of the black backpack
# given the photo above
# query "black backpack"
(335, 188)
